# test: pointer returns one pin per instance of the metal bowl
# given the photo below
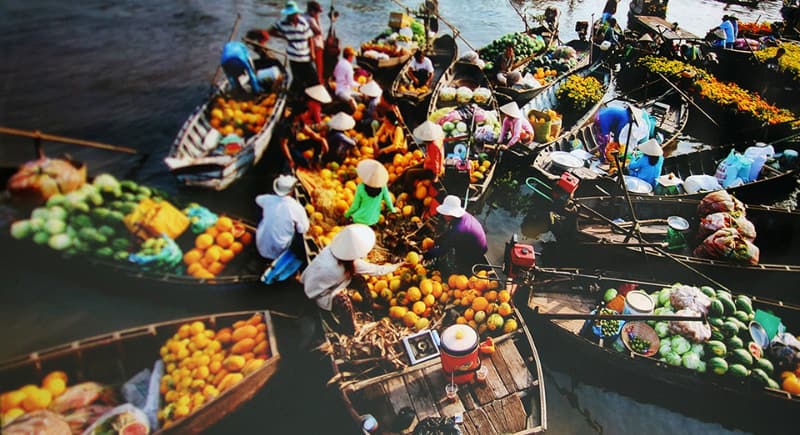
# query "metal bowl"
(637, 185)
(678, 223)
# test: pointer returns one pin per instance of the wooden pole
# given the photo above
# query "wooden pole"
(687, 98)
(230, 38)
(38, 136)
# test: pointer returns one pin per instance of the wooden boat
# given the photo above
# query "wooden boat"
(504, 92)
(571, 122)
(657, 25)
(671, 112)
(507, 94)
(589, 238)
(726, 400)
(116, 357)
(195, 157)
(511, 401)
(457, 75)
(444, 53)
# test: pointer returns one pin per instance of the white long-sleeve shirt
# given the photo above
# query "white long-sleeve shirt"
(325, 277)
(343, 73)
(280, 218)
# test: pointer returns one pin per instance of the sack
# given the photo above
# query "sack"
(697, 183)
(728, 243)
(717, 201)
(716, 221)
(152, 219)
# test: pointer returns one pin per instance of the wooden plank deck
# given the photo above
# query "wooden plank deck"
(493, 407)
(562, 303)
(663, 27)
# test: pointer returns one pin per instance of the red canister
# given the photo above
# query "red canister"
(459, 353)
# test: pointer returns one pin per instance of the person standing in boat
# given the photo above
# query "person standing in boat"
(609, 10)
(420, 72)
(430, 135)
(502, 65)
(283, 220)
(371, 193)
(516, 125)
(313, 12)
(339, 142)
(339, 266)
(372, 93)
(345, 83)
(299, 38)
(647, 162)
(727, 28)
(464, 240)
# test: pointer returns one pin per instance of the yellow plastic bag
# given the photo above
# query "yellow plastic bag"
(151, 219)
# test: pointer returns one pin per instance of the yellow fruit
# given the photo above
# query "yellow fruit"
(469, 313)
(429, 300)
(11, 414)
(56, 386)
(414, 294)
(480, 317)
(418, 307)
(11, 400)
(426, 286)
(480, 303)
(58, 374)
(510, 325)
(398, 312)
(410, 319)
(224, 223)
(461, 320)
(408, 210)
(412, 258)
(503, 296)
(504, 309)
(197, 327)
(203, 241)
(494, 322)
(427, 243)
(38, 399)
(462, 282)
(421, 324)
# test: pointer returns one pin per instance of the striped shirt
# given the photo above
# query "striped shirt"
(296, 36)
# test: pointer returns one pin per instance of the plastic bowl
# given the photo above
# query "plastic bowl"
(642, 330)
(759, 334)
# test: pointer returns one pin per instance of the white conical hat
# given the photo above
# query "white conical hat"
(371, 89)
(451, 206)
(651, 148)
(646, 38)
(353, 242)
(283, 184)
(372, 173)
(428, 131)
(511, 109)
(319, 93)
(342, 121)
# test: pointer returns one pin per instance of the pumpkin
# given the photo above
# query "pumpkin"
(38, 180)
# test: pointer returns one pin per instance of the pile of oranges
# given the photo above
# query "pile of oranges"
(31, 397)
(216, 247)
(243, 118)
(201, 363)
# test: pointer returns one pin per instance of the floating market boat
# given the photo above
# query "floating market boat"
(670, 112)
(460, 74)
(116, 358)
(205, 154)
(511, 400)
(444, 53)
(702, 382)
(523, 43)
(599, 235)
(570, 121)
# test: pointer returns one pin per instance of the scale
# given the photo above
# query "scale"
(562, 161)
(422, 346)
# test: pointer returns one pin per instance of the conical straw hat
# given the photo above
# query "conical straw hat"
(651, 148)
(353, 242)
(319, 93)
(372, 173)
(342, 121)
(428, 131)
(371, 89)
(511, 109)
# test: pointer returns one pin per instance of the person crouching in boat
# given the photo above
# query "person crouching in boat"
(339, 266)
(647, 162)
(390, 138)
(307, 146)
(609, 121)
(430, 135)
(420, 73)
(371, 93)
(339, 142)
(236, 63)
(345, 83)
(283, 220)
(371, 193)
(515, 125)
(463, 243)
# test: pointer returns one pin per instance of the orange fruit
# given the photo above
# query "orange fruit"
(480, 303)
(212, 255)
(224, 224)
(503, 296)
(462, 282)
(429, 300)
(212, 231)
(56, 386)
(504, 309)
(11, 400)
(225, 239)
(246, 238)
(418, 307)
(236, 247)
(410, 319)
(37, 399)
(412, 258)
(193, 268)
(226, 255)
(203, 241)
(469, 314)
(216, 267)
(192, 256)
(491, 296)
(427, 243)
(11, 414)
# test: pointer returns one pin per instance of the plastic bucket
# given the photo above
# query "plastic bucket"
(638, 302)
(459, 353)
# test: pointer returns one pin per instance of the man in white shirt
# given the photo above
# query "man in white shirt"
(343, 74)
(282, 218)
(421, 70)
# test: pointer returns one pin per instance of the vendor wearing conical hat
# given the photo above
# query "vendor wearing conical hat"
(464, 240)
(430, 135)
(316, 95)
(300, 142)
(648, 162)
(338, 141)
(371, 193)
(339, 266)
(515, 124)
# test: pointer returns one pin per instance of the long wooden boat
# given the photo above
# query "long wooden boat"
(565, 343)
(592, 239)
(504, 92)
(444, 53)
(457, 75)
(671, 112)
(195, 157)
(114, 358)
(511, 400)
(571, 122)
(507, 94)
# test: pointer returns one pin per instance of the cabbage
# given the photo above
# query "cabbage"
(21, 229)
(59, 242)
(673, 359)
(55, 226)
(463, 95)
(482, 95)
(663, 296)
(662, 329)
(57, 212)
(664, 349)
(37, 223)
(697, 348)
(40, 213)
(461, 126)
(41, 237)
(691, 360)
(448, 93)
(701, 367)
(680, 345)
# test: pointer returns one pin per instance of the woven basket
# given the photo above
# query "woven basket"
(643, 330)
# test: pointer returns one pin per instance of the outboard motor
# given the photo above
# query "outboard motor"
(519, 260)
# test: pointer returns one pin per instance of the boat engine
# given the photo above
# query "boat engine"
(519, 261)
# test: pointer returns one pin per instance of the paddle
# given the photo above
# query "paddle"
(230, 38)
(688, 99)
(38, 136)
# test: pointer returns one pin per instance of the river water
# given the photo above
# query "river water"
(129, 72)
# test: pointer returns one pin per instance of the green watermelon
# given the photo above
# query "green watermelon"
(716, 348)
(708, 291)
(772, 384)
(729, 329)
(715, 321)
(717, 365)
(735, 343)
(744, 303)
(738, 371)
(766, 365)
(724, 294)
(716, 334)
(728, 304)
(741, 356)
(716, 309)
(741, 316)
(760, 377)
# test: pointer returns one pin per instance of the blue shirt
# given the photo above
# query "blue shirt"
(727, 27)
(236, 52)
(640, 167)
(611, 119)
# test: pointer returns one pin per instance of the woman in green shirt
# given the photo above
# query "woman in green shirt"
(370, 193)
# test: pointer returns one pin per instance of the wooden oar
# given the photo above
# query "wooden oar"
(687, 98)
(230, 38)
(38, 136)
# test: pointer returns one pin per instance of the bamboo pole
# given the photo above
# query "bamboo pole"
(39, 136)
(230, 38)
(688, 99)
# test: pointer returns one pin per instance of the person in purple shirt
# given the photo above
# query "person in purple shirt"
(609, 120)
(464, 239)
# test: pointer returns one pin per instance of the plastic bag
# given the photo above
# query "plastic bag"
(698, 332)
(688, 297)
(716, 221)
(697, 183)
(718, 201)
(732, 167)
(728, 243)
